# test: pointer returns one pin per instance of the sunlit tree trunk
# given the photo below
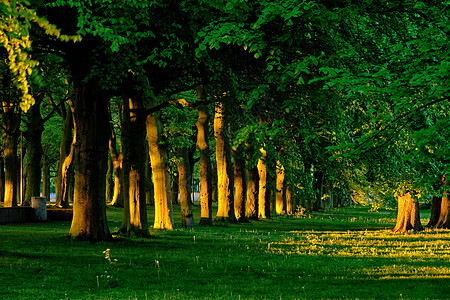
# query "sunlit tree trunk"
(239, 184)
(263, 193)
(185, 186)
(251, 203)
(225, 210)
(204, 163)
(66, 153)
(134, 152)
(408, 215)
(280, 207)
(11, 120)
(161, 177)
(90, 113)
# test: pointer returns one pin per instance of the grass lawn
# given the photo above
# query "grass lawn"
(343, 253)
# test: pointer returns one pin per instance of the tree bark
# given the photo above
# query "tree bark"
(66, 152)
(149, 189)
(289, 201)
(11, 118)
(239, 185)
(408, 215)
(2, 177)
(225, 210)
(45, 177)
(134, 152)
(435, 211)
(263, 193)
(90, 113)
(161, 177)
(116, 157)
(185, 186)
(205, 162)
(33, 137)
(109, 181)
(174, 189)
(280, 199)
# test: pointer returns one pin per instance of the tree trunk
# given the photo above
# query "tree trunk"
(408, 216)
(65, 160)
(174, 189)
(225, 210)
(109, 181)
(134, 152)
(185, 186)
(161, 177)
(205, 162)
(149, 188)
(251, 204)
(280, 206)
(90, 113)
(11, 118)
(46, 177)
(289, 201)
(33, 136)
(116, 157)
(2, 177)
(263, 193)
(435, 211)
(239, 185)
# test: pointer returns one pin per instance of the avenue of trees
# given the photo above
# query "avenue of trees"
(277, 105)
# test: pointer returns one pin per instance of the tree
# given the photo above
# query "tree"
(225, 210)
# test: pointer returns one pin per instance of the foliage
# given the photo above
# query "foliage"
(15, 25)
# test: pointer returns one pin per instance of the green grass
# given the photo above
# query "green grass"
(342, 253)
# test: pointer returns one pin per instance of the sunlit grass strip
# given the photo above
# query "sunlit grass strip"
(367, 244)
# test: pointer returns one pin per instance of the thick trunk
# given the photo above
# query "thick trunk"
(443, 219)
(161, 177)
(184, 179)
(408, 215)
(225, 210)
(9, 145)
(264, 195)
(205, 162)
(65, 160)
(280, 207)
(134, 152)
(435, 211)
(251, 204)
(90, 112)
(11, 118)
(33, 136)
(239, 185)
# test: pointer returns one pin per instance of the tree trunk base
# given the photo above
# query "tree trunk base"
(188, 221)
(225, 219)
(205, 221)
